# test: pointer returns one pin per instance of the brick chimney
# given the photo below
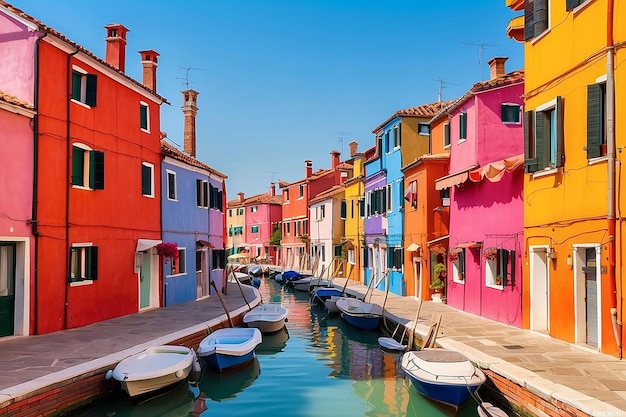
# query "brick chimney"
(272, 189)
(116, 46)
(496, 66)
(241, 197)
(149, 61)
(190, 110)
(334, 159)
(308, 168)
(354, 148)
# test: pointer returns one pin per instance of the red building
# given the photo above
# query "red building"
(295, 249)
(97, 183)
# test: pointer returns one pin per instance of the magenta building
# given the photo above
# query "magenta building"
(485, 182)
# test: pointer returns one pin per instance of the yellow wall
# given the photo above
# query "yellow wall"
(414, 145)
(354, 222)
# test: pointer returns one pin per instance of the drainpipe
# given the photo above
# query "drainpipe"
(610, 142)
(68, 182)
(34, 220)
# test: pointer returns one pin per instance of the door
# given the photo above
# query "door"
(7, 289)
(417, 277)
(202, 280)
(144, 281)
(539, 307)
(591, 297)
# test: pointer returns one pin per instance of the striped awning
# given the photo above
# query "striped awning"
(453, 179)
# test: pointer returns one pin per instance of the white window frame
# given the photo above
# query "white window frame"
(86, 167)
(389, 198)
(169, 172)
(549, 106)
(183, 263)
(151, 166)
(82, 264)
(519, 113)
(83, 87)
(143, 104)
(421, 126)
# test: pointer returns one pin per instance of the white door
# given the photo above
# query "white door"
(539, 289)
(417, 277)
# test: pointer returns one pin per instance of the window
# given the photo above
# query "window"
(83, 263)
(286, 193)
(596, 120)
(144, 116)
(84, 87)
(351, 257)
(178, 265)
(288, 227)
(320, 212)
(254, 209)
(543, 137)
(305, 227)
(496, 268)
(87, 168)
(343, 210)
(240, 211)
(446, 135)
(397, 140)
(423, 129)
(395, 260)
(457, 256)
(444, 194)
(202, 195)
(338, 251)
(389, 205)
(462, 126)
(301, 191)
(536, 17)
(411, 194)
(230, 211)
(361, 207)
(510, 113)
(386, 142)
(147, 179)
(171, 185)
(254, 229)
(572, 4)
(215, 198)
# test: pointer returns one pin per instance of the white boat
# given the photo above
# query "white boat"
(154, 369)
(442, 375)
(360, 314)
(268, 318)
(229, 348)
(331, 304)
(241, 277)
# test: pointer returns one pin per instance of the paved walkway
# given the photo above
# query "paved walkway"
(593, 382)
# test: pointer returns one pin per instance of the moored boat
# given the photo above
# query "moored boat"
(268, 318)
(442, 375)
(229, 348)
(154, 369)
(358, 313)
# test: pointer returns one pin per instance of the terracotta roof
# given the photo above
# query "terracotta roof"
(335, 189)
(82, 49)
(172, 152)
(265, 198)
(319, 173)
(513, 77)
(15, 101)
(425, 111)
(444, 156)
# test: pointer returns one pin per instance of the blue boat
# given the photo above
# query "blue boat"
(445, 376)
(229, 348)
(360, 314)
(321, 294)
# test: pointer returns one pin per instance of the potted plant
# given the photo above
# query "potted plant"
(498, 280)
(453, 256)
(167, 250)
(437, 286)
(491, 253)
(440, 270)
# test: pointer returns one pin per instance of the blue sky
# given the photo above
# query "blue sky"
(282, 81)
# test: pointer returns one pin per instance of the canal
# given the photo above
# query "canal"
(320, 366)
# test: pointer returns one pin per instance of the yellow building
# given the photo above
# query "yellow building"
(236, 224)
(573, 55)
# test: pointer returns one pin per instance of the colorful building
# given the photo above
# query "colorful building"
(327, 212)
(97, 194)
(574, 100)
(485, 183)
(191, 191)
(375, 221)
(236, 223)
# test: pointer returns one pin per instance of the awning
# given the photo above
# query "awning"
(430, 242)
(469, 245)
(205, 243)
(515, 28)
(495, 170)
(410, 194)
(145, 244)
(413, 247)
(453, 179)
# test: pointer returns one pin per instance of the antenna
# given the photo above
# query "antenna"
(442, 85)
(273, 172)
(187, 69)
(340, 139)
(481, 47)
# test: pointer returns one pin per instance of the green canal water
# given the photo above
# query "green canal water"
(321, 366)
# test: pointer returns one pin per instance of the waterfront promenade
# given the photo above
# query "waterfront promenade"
(592, 383)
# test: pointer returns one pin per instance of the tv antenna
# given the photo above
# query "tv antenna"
(187, 69)
(442, 85)
(340, 139)
(273, 172)
(481, 47)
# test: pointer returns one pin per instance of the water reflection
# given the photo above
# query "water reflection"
(223, 386)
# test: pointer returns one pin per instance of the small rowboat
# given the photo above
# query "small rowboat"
(360, 314)
(268, 318)
(229, 348)
(154, 369)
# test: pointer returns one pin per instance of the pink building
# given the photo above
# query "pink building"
(486, 143)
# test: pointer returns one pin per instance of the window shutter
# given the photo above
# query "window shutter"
(543, 157)
(78, 165)
(143, 116)
(219, 199)
(503, 263)
(361, 207)
(463, 126)
(594, 120)
(343, 209)
(98, 170)
(560, 155)
(462, 262)
(571, 4)
(512, 273)
(530, 157)
(146, 180)
(384, 200)
(171, 186)
(92, 171)
(205, 194)
(446, 134)
(540, 16)
(76, 82)
(199, 193)
(529, 23)
(92, 86)
(92, 262)
(211, 196)
(365, 254)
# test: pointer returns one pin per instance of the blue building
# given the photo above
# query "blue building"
(192, 216)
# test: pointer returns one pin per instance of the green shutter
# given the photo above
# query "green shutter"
(143, 116)
(512, 273)
(362, 207)
(78, 165)
(503, 263)
(530, 156)
(76, 83)
(98, 170)
(92, 262)
(446, 134)
(463, 126)
(559, 152)
(383, 200)
(171, 186)
(343, 209)
(540, 15)
(92, 87)
(543, 157)
(594, 120)
(529, 21)
(146, 180)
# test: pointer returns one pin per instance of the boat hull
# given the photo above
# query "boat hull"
(443, 376)
(365, 316)
(229, 348)
(154, 369)
(268, 318)
(362, 322)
